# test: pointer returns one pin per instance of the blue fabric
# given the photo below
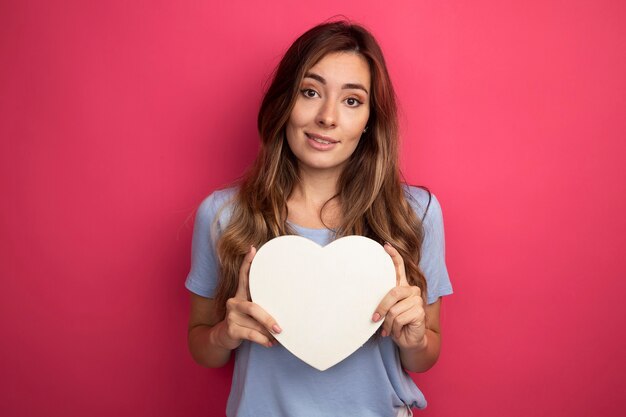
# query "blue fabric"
(272, 381)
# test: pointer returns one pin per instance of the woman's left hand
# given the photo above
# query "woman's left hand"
(403, 309)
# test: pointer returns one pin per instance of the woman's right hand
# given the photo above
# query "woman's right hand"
(244, 319)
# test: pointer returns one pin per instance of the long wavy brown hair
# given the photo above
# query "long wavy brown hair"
(370, 192)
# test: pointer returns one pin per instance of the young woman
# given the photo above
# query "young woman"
(328, 167)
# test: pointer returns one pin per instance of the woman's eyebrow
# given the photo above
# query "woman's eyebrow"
(345, 86)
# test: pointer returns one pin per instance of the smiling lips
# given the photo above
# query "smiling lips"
(321, 142)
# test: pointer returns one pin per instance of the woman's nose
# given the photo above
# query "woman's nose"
(327, 116)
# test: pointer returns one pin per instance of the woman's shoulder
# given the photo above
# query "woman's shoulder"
(220, 200)
(423, 201)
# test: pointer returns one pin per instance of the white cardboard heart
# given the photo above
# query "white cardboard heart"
(322, 297)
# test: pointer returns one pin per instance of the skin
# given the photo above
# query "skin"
(334, 103)
(326, 106)
(413, 326)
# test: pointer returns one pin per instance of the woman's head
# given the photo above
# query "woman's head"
(371, 198)
(330, 113)
(349, 42)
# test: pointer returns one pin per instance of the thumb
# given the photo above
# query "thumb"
(244, 270)
(398, 263)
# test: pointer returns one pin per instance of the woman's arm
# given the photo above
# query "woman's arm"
(211, 341)
(413, 327)
(203, 334)
(422, 358)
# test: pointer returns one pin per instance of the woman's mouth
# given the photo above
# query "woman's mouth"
(320, 143)
(324, 140)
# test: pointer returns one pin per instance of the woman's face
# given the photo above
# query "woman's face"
(330, 112)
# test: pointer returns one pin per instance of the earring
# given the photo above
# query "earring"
(365, 130)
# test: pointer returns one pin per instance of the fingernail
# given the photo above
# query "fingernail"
(269, 344)
(383, 333)
(376, 317)
(276, 328)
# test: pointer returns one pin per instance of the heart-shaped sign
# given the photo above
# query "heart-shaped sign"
(322, 297)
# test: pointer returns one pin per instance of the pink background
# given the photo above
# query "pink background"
(117, 118)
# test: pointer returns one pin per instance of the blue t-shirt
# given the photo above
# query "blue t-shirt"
(272, 381)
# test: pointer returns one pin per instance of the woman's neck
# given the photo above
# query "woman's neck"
(316, 186)
(310, 195)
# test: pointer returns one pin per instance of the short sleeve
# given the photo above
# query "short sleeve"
(433, 256)
(204, 272)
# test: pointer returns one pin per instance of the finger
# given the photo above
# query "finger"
(398, 263)
(260, 315)
(391, 298)
(251, 334)
(248, 322)
(397, 309)
(239, 309)
(411, 317)
(242, 287)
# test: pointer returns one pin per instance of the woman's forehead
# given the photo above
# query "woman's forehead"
(343, 67)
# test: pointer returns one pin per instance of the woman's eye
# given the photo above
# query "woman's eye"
(353, 102)
(308, 92)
